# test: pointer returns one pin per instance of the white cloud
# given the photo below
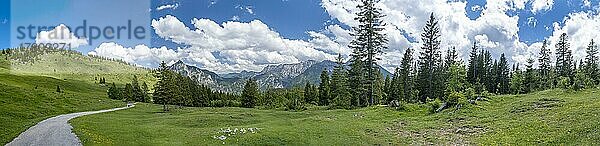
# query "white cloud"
(235, 18)
(531, 21)
(541, 5)
(581, 27)
(475, 8)
(247, 9)
(140, 54)
(60, 34)
(494, 29)
(168, 6)
(229, 47)
(587, 3)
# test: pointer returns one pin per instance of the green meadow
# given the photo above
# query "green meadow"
(552, 117)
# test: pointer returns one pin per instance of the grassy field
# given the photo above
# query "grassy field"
(29, 88)
(551, 117)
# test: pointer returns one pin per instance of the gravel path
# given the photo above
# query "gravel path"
(55, 131)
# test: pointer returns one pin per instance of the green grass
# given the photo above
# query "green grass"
(28, 87)
(550, 117)
(80, 67)
(27, 100)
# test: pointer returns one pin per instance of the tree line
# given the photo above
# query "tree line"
(447, 79)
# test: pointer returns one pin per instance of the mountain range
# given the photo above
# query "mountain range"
(272, 76)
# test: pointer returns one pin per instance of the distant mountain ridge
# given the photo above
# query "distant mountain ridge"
(272, 76)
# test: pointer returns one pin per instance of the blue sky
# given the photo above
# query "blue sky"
(232, 36)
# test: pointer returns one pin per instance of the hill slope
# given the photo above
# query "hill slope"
(29, 79)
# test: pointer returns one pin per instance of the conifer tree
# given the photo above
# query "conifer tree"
(591, 63)
(404, 78)
(516, 81)
(503, 76)
(250, 93)
(472, 68)
(339, 87)
(564, 59)
(324, 89)
(145, 91)
(369, 41)
(545, 66)
(162, 92)
(128, 93)
(530, 79)
(113, 92)
(429, 60)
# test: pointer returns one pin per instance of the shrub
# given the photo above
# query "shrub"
(434, 105)
(453, 98)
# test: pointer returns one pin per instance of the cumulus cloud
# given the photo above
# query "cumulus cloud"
(168, 6)
(140, 54)
(60, 34)
(224, 48)
(541, 5)
(495, 30)
(581, 27)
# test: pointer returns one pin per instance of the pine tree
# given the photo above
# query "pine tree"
(545, 66)
(429, 60)
(472, 68)
(591, 63)
(113, 92)
(138, 95)
(58, 89)
(145, 91)
(162, 92)
(128, 93)
(369, 42)
(530, 79)
(516, 81)
(339, 87)
(387, 88)
(564, 59)
(503, 76)
(324, 89)
(404, 78)
(250, 93)
(487, 75)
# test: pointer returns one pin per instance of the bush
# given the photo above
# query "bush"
(564, 83)
(295, 104)
(434, 105)
(453, 98)
(396, 105)
(470, 93)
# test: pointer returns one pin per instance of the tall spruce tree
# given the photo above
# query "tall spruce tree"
(503, 75)
(162, 92)
(472, 68)
(429, 60)
(406, 78)
(530, 79)
(564, 59)
(369, 41)
(545, 66)
(591, 62)
(324, 89)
